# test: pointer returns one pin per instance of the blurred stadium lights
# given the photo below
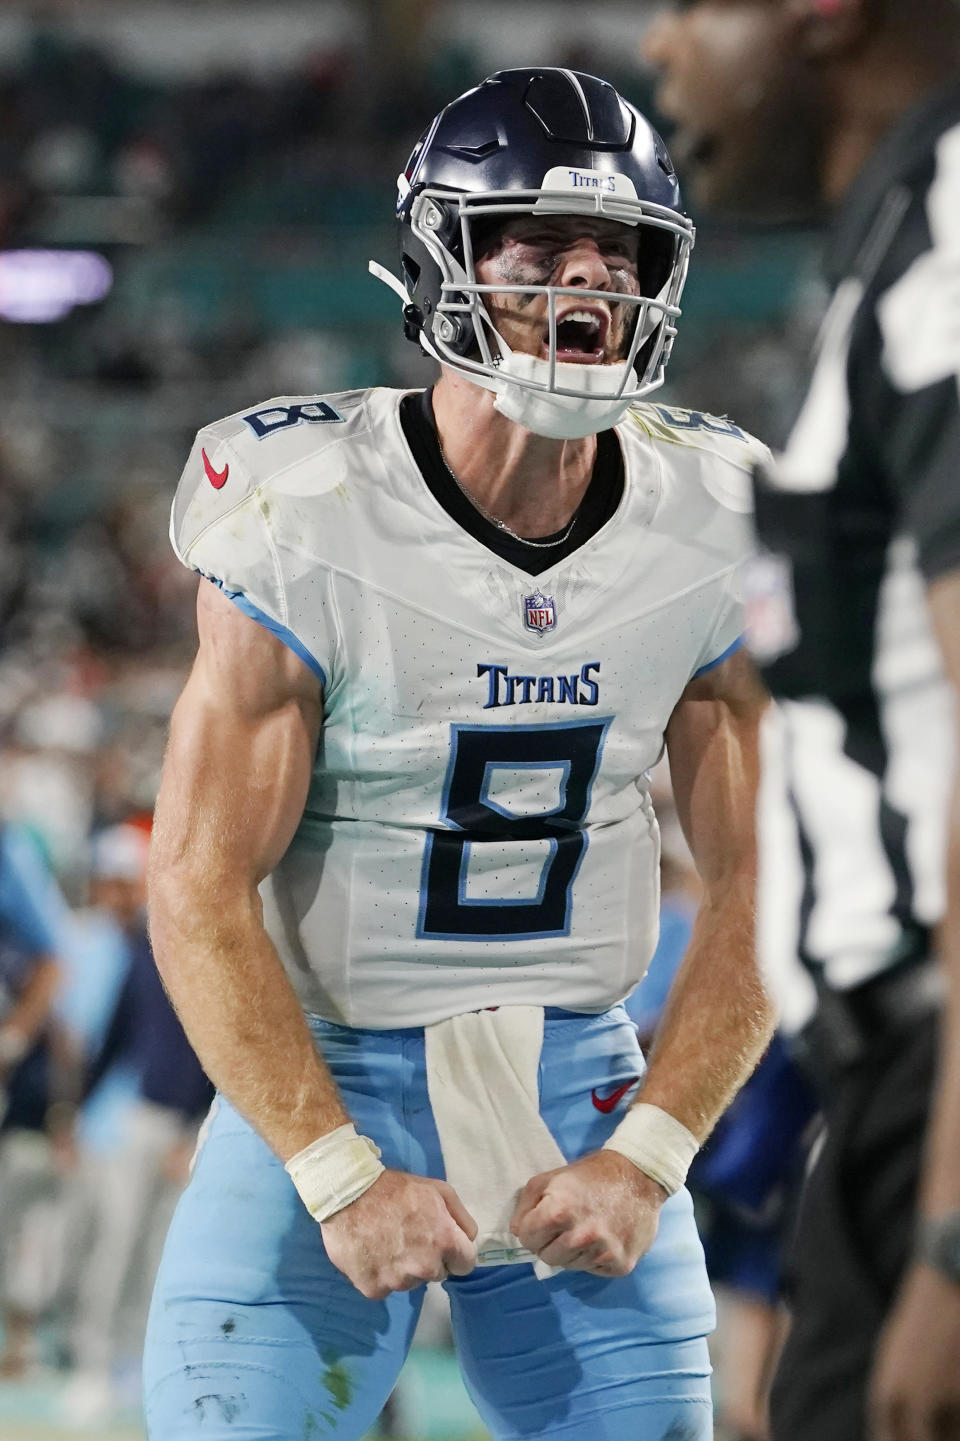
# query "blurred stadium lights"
(38, 287)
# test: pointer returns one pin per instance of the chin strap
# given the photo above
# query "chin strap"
(412, 319)
(413, 326)
(387, 276)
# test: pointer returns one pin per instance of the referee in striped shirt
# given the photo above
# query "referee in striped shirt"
(851, 108)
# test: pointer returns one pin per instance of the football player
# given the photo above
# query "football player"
(405, 864)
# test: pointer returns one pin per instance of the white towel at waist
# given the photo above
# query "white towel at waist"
(482, 1072)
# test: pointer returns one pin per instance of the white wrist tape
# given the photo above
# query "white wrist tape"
(657, 1144)
(334, 1170)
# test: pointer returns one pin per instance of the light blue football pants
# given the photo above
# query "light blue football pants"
(254, 1334)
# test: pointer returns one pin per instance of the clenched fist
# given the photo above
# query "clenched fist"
(599, 1214)
(403, 1231)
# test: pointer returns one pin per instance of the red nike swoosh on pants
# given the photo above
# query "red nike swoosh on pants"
(607, 1103)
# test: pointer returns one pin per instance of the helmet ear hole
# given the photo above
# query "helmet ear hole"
(411, 272)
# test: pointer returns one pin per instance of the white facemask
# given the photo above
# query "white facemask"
(582, 399)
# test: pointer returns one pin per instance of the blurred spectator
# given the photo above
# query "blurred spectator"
(747, 1177)
(29, 946)
(747, 1180)
(135, 1159)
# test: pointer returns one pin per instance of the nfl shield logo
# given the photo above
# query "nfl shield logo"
(771, 621)
(539, 612)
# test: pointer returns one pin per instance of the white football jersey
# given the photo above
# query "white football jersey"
(479, 829)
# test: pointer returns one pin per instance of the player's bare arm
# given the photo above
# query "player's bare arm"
(600, 1213)
(704, 1051)
(243, 739)
(234, 785)
(916, 1387)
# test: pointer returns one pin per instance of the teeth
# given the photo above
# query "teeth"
(582, 317)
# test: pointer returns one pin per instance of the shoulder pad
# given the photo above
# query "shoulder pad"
(233, 458)
(700, 431)
(735, 453)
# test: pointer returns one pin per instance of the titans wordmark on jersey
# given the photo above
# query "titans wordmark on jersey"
(479, 827)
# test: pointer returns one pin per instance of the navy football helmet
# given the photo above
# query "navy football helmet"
(526, 142)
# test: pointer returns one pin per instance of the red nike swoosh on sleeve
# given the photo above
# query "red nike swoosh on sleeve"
(607, 1103)
(217, 478)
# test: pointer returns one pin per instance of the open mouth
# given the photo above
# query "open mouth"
(582, 337)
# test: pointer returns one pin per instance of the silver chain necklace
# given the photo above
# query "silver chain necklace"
(502, 524)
